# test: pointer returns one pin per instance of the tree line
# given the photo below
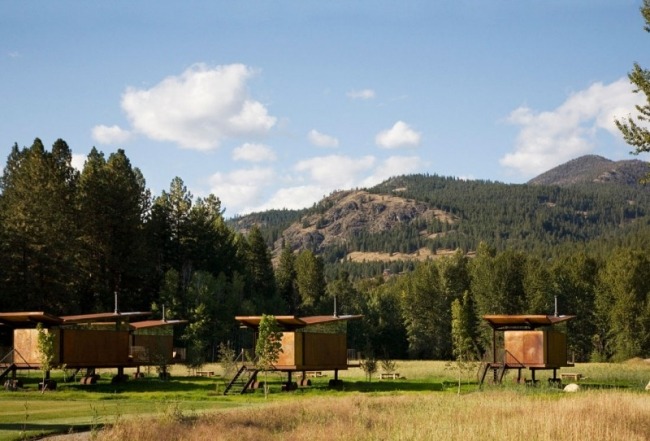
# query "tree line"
(70, 240)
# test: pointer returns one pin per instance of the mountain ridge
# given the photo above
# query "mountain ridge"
(425, 214)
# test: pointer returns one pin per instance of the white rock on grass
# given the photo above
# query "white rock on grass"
(648, 386)
(572, 387)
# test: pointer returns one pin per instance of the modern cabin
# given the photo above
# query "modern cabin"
(529, 342)
(90, 341)
(309, 344)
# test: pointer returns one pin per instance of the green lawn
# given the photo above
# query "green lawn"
(28, 413)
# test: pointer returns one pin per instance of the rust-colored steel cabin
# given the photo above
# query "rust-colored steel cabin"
(90, 341)
(309, 344)
(529, 342)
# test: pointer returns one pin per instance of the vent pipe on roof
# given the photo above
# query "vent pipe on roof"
(117, 309)
(555, 306)
(335, 313)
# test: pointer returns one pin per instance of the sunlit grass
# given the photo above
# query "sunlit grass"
(426, 392)
(503, 415)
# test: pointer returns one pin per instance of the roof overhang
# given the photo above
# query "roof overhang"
(289, 322)
(22, 319)
(507, 322)
(148, 324)
(103, 317)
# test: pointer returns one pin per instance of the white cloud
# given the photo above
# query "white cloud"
(335, 171)
(322, 140)
(254, 153)
(242, 190)
(294, 198)
(258, 188)
(364, 94)
(549, 138)
(400, 135)
(393, 166)
(199, 108)
(78, 161)
(110, 135)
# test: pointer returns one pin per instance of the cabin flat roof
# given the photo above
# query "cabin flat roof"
(103, 317)
(524, 321)
(22, 318)
(293, 322)
(155, 323)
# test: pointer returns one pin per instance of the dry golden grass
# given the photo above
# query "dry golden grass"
(503, 415)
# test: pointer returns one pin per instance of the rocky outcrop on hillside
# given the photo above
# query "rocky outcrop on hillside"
(346, 213)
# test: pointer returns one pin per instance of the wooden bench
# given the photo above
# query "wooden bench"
(571, 376)
(205, 373)
(389, 376)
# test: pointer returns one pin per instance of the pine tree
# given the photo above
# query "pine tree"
(636, 133)
(39, 226)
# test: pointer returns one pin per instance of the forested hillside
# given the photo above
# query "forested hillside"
(70, 240)
(582, 202)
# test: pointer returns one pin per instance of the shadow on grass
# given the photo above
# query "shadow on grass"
(30, 431)
(143, 385)
(388, 386)
(600, 386)
(180, 384)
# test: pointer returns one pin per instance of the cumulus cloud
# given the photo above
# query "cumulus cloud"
(393, 166)
(322, 140)
(308, 181)
(335, 171)
(78, 161)
(199, 108)
(110, 134)
(363, 94)
(400, 135)
(254, 153)
(242, 190)
(294, 198)
(549, 138)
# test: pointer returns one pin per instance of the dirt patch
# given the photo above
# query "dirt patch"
(421, 255)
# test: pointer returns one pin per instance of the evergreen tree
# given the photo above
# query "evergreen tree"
(261, 283)
(426, 313)
(113, 203)
(285, 276)
(636, 133)
(39, 226)
(621, 304)
(310, 278)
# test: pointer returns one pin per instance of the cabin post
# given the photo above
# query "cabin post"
(494, 354)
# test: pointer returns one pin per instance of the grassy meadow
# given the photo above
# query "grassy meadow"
(425, 403)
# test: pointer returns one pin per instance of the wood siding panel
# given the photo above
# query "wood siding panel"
(539, 348)
(26, 344)
(88, 348)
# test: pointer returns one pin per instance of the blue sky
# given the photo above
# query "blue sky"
(276, 104)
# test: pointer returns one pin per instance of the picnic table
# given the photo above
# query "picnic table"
(205, 373)
(571, 376)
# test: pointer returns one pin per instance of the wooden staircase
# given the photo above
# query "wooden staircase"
(499, 368)
(7, 365)
(242, 381)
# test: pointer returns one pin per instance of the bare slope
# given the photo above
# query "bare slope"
(347, 213)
